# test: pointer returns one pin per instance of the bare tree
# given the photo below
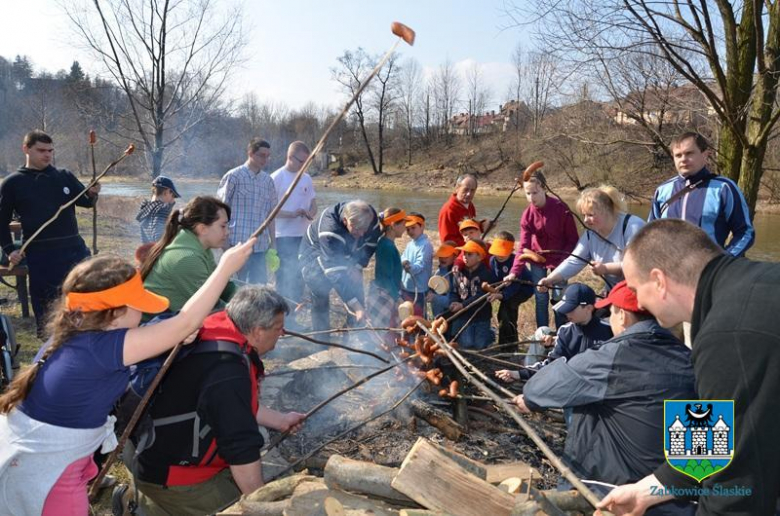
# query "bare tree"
(540, 75)
(446, 90)
(518, 65)
(478, 96)
(171, 59)
(728, 51)
(410, 87)
(384, 93)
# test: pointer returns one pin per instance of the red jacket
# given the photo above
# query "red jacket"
(450, 216)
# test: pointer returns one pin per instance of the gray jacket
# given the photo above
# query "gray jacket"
(617, 392)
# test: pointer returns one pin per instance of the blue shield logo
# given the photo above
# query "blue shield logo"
(699, 436)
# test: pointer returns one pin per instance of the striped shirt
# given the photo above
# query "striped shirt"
(251, 198)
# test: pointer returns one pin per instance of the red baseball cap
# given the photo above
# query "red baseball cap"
(622, 297)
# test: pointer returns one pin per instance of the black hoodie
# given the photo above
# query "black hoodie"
(736, 356)
(35, 195)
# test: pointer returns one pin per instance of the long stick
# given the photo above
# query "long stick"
(492, 223)
(347, 330)
(128, 151)
(554, 460)
(284, 435)
(92, 141)
(341, 346)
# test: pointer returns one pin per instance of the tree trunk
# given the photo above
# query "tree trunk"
(750, 175)
(365, 140)
(729, 155)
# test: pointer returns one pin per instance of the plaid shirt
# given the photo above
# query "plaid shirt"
(251, 198)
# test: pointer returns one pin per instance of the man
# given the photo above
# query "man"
(35, 192)
(458, 207)
(213, 394)
(293, 219)
(337, 247)
(251, 195)
(583, 331)
(617, 393)
(712, 202)
(679, 274)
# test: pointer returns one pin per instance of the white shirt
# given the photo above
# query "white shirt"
(300, 198)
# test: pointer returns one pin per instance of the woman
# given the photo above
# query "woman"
(609, 230)
(181, 261)
(56, 413)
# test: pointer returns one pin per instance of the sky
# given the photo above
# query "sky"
(293, 44)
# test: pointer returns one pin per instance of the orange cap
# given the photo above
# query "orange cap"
(392, 219)
(473, 247)
(501, 247)
(445, 251)
(130, 293)
(411, 220)
(469, 223)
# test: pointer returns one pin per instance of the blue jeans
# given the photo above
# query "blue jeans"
(543, 300)
(478, 334)
(289, 281)
(253, 272)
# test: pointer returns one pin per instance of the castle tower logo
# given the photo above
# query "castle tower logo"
(699, 436)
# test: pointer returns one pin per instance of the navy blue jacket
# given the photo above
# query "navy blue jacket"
(513, 290)
(467, 288)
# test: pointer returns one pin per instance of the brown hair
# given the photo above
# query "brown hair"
(36, 136)
(505, 235)
(606, 197)
(256, 144)
(700, 141)
(200, 210)
(93, 275)
(676, 247)
(388, 212)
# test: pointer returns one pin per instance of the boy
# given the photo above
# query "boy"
(153, 213)
(446, 254)
(467, 283)
(470, 229)
(417, 262)
(514, 294)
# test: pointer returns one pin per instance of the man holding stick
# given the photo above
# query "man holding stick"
(35, 192)
(679, 274)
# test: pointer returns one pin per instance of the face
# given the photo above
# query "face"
(472, 259)
(131, 318)
(398, 229)
(264, 340)
(616, 320)
(354, 231)
(464, 193)
(534, 194)
(296, 160)
(580, 315)
(446, 261)
(39, 156)
(500, 259)
(651, 294)
(414, 231)
(595, 218)
(470, 234)
(688, 158)
(215, 234)
(167, 196)
(259, 159)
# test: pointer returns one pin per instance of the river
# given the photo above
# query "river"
(767, 246)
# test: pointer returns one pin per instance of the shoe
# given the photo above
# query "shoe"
(108, 481)
(118, 505)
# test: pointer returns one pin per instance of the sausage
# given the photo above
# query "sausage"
(488, 288)
(403, 32)
(443, 393)
(403, 354)
(92, 137)
(454, 389)
(439, 325)
(533, 256)
(410, 323)
(434, 376)
(529, 171)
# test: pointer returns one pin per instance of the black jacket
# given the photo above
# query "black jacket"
(36, 195)
(736, 356)
(617, 391)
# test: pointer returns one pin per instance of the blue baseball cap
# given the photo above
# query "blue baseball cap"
(576, 294)
(165, 182)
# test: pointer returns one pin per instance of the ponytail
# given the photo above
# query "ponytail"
(172, 226)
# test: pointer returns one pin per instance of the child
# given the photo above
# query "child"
(470, 229)
(467, 284)
(56, 413)
(446, 253)
(385, 290)
(514, 294)
(153, 213)
(417, 261)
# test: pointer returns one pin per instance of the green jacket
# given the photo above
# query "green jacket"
(182, 269)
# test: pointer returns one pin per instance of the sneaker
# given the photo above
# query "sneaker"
(118, 502)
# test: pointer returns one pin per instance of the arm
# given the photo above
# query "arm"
(634, 499)
(226, 189)
(738, 219)
(312, 208)
(248, 477)
(282, 421)
(570, 266)
(7, 203)
(655, 208)
(88, 199)
(525, 243)
(149, 341)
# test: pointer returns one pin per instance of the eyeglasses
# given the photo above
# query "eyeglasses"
(299, 160)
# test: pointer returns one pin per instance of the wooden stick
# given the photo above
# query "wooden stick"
(27, 242)
(293, 371)
(555, 251)
(332, 345)
(492, 223)
(92, 141)
(347, 330)
(459, 363)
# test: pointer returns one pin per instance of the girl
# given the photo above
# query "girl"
(604, 212)
(56, 414)
(385, 290)
(181, 261)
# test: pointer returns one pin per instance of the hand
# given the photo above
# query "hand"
(498, 296)
(633, 499)
(506, 375)
(598, 268)
(455, 307)
(406, 265)
(543, 285)
(235, 257)
(360, 315)
(519, 400)
(191, 337)
(291, 422)
(16, 257)
(510, 277)
(94, 190)
(548, 341)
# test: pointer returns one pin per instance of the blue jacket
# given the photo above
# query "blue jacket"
(513, 290)
(617, 392)
(716, 205)
(419, 254)
(467, 288)
(572, 340)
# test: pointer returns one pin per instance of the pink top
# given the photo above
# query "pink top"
(550, 227)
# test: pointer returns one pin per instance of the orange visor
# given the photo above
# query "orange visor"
(392, 219)
(130, 293)
(445, 251)
(501, 247)
(473, 247)
(469, 223)
(411, 220)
